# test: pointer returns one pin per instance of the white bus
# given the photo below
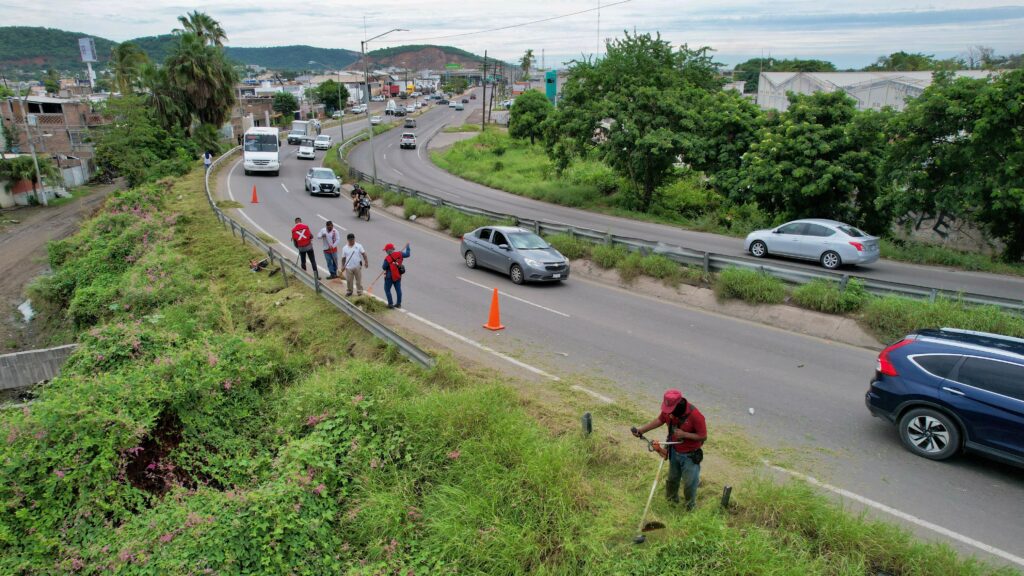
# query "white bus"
(261, 151)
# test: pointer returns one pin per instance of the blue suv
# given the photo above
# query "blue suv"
(948, 390)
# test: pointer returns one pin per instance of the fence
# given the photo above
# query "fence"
(288, 267)
(708, 261)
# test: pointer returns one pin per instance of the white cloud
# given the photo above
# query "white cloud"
(849, 34)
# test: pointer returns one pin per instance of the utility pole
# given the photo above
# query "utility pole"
(483, 114)
(32, 146)
(366, 80)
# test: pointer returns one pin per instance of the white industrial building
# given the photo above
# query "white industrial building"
(871, 90)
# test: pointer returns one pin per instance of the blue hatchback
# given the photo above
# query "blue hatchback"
(950, 390)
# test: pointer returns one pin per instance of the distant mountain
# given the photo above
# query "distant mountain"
(421, 56)
(28, 51)
(34, 49)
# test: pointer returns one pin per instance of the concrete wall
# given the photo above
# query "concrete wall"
(24, 369)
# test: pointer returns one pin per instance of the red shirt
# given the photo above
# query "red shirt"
(694, 423)
(393, 260)
(302, 235)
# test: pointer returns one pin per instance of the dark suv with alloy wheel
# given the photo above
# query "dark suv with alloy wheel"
(950, 390)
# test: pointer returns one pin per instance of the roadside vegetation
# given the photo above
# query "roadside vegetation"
(462, 128)
(213, 420)
(647, 131)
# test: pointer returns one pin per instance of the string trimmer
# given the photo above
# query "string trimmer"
(652, 446)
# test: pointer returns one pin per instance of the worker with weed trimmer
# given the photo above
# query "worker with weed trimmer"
(686, 434)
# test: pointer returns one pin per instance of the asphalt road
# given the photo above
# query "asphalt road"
(807, 393)
(418, 172)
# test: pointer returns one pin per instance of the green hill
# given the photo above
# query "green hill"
(32, 49)
(397, 50)
(274, 57)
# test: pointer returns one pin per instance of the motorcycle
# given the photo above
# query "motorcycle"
(364, 208)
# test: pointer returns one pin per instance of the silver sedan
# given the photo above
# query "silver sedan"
(831, 243)
(521, 254)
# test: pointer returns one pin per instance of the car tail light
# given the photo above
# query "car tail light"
(858, 246)
(885, 365)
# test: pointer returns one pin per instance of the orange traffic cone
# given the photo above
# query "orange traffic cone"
(255, 199)
(494, 322)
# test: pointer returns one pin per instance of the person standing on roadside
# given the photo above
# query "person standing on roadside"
(302, 238)
(393, 270)
(685, 426)
(332, 239)
(354, 259)
(208, 160)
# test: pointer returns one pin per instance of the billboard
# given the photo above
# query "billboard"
(453, 66)
(87, 47)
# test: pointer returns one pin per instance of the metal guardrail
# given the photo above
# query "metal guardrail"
(368, 322)
(707, 261)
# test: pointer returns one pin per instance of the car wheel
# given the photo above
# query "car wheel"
(929, 433)
(758, 249)
(470, 259)
(247, 172)
(831, 260)
(516, 274)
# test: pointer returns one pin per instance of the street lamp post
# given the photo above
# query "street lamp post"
(32, 146)
(366, 82)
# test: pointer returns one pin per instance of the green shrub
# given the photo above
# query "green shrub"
(572, 247)
(688, 197)
(393, 198)
(608, 255)
(750, 286)
(630, 267)
(892, 317)
(418, 208)
(445, 216)
(825, 296)
(662, 268)
(594, 174)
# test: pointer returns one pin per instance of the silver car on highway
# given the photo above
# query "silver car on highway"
(831, 243)
(523, 255)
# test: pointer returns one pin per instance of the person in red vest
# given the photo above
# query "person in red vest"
(686, 427)
(302, 238)
(393, 270)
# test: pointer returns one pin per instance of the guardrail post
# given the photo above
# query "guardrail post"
(608, 239)
(842, 283)
(644, 251)
(931, 297)
(588, 424)
(243, 235)
(536, 227)
(707, 263)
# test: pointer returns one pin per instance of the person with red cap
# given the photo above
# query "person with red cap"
(685, 426)
(302, 238)
(393, 270)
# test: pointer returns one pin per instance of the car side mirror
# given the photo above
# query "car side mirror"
(504, 246)
(776, 231)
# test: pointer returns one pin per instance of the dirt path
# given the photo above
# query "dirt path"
(23, 257)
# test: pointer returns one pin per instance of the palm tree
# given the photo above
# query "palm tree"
(525, 62)
(163, 98)
(127, 60)
(202, 25)
(204, 77)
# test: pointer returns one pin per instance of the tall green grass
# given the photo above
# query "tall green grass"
(825, 296)
(750, 286)
(922, 253)
(892, 317)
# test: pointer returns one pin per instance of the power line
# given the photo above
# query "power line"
(517, 25)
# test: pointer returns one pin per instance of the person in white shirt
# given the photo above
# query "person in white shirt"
(332, 239)
(354, 259)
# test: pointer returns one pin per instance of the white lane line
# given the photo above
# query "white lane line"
(285, 188)
(589, 392)
(384, 156)
(902, 515)
(399, 172)
(507, 295)
(336, 225)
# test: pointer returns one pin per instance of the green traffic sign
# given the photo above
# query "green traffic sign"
(453, 66)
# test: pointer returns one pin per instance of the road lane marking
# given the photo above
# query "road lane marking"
(901, 515)
(285, 188)
(589, 392)
(507, 295)
(399, 172)
(335, 225)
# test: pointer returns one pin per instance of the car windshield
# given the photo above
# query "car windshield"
(527, 241)
(851, 231)
(260, 143)
(306, 142)
(322, 138)
(323, 174)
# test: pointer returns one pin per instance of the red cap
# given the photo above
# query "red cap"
(389, 247)
(671, 399)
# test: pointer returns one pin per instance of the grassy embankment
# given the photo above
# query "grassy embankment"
(214, 421)
(495, 159)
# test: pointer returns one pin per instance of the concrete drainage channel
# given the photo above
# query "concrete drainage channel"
(19, 371)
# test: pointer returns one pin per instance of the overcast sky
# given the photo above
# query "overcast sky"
(851, 34)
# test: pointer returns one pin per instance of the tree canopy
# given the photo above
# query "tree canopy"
(331, 94)
(528, 115)
(285, 104)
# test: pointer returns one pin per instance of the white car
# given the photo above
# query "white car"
(452, 104)
(408, 140)
(831, 243)
(377, 98)
(323, 142)
(374, 120)
(306, 149)
(410, 108)
(358, 109)
(415, 94)
(337, 114)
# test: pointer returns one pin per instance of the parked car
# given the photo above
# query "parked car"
(337, 114)
(359, 108)
(408, 140)
(375, 119)
(415, 94)
(460, 106)
(523, 255)
(410, 123)
(306, 149)
(322, 181)
(410, 108)
(323, 142)
(377, 98)
(831, 243)
(950, 390)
